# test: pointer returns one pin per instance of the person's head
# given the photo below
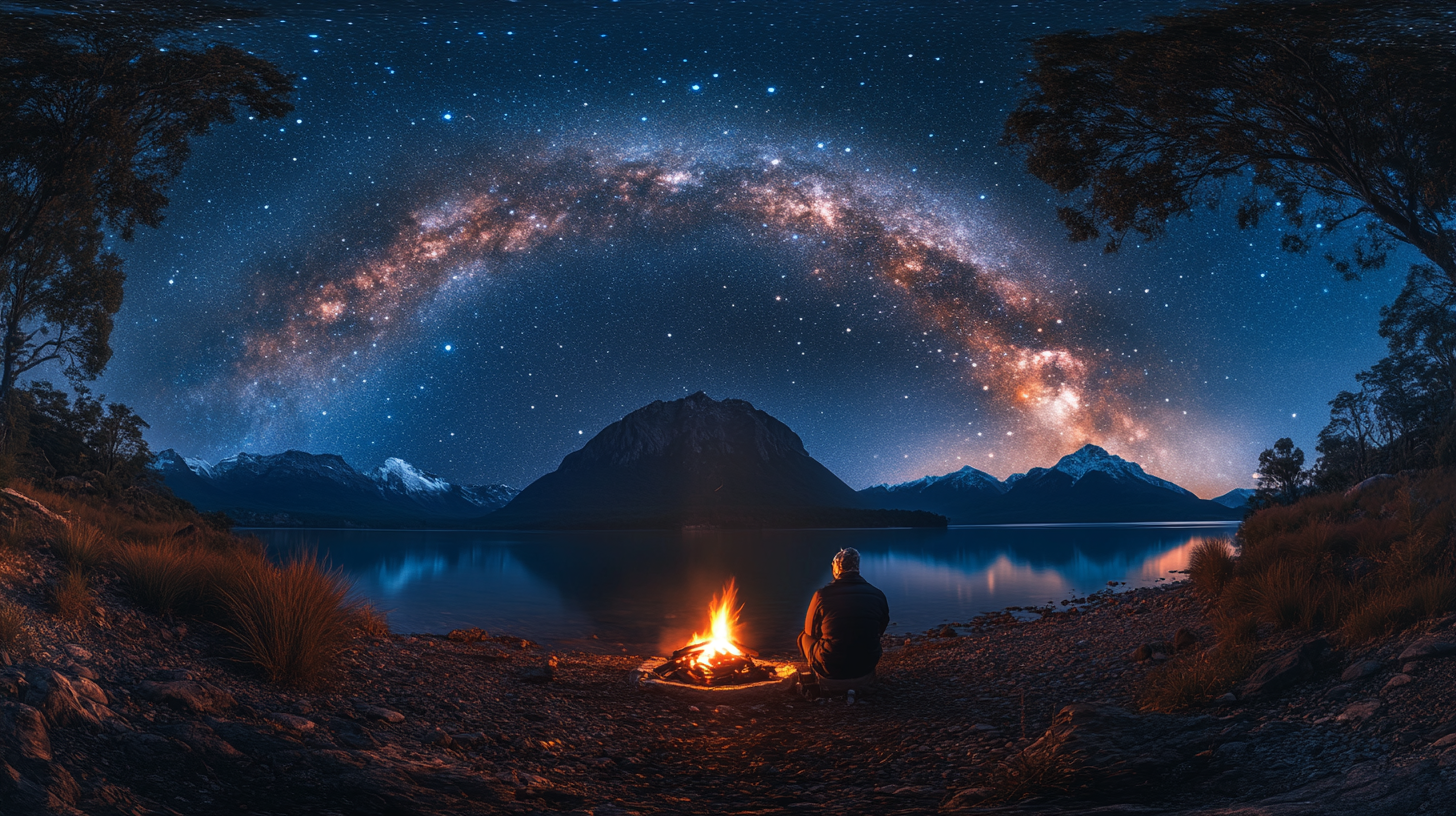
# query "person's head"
(846, 560)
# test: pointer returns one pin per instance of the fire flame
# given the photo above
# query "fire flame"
(722, 617)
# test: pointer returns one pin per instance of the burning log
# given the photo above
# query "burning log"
(715, 659)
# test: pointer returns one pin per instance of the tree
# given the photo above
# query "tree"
(116, 439)
(1281, 472)
(1322, 113)
(98, 106)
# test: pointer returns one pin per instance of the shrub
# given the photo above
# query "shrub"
(370, 621)
(1194, 680)
(1211, 566)
(71, 594)
(81, 546)
(1235, 628)
(14, 627)
(290, 621)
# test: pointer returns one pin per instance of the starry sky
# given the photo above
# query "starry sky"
(490, 229)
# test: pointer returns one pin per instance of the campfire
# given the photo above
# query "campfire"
(716, 659)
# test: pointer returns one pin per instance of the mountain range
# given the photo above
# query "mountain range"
(1089, 485)
(298, 489)
(689, 462)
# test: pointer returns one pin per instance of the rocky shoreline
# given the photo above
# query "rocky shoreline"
(133, 714)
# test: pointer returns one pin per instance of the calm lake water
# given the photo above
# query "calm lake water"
(648, 591)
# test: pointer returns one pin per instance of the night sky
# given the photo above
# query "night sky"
(489, 230)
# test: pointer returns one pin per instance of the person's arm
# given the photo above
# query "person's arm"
(811, 618)
(884, 613)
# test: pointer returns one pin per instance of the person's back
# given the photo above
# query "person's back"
(842, 628)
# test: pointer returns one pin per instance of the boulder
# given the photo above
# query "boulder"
(1427, 648)
(1357, 671)
(472, 635)
(377, 713)
(24, 728)
(28, 506)
(292, 722)
(189, 695)
(1285, 670)
(1367, 484)
(57, 699)
(1184, 639)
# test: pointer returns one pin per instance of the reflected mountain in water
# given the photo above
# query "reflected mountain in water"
(649, 590)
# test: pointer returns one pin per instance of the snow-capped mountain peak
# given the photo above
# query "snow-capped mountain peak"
(412, 479)
(966, 477)
(1091, 458)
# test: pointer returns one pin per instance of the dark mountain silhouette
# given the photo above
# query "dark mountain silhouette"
(295, 488)
(1090, 485)
(694, 461)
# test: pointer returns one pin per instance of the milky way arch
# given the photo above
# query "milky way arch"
(1022, 354)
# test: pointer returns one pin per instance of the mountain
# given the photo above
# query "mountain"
(1238, 498)
(953, 495)
(694, 461)
(1089, 485)
(295, 488)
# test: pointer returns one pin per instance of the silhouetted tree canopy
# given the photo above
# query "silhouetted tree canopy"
(1320, 113)
(98, 104)
(1281, 473)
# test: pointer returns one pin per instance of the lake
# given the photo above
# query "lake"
(647, 591)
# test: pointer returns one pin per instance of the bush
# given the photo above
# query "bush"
(81, 546)
(71, 595)
(1211, 566)
(291, 621)
(1235, 628)
(14, 628)
(170, 577)
(1194, 680)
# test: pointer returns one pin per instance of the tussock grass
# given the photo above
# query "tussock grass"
(1365, 566)
(14, 628)
(71, 595)
(370, 621)
(291, 620)
(1197, 679)
(170, 577)
(1211, 567)
(15, 535)
(81, 546)
(1234, 628)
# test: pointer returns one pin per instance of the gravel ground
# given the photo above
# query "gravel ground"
(142, 715)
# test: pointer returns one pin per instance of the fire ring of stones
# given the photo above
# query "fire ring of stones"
(780, 680)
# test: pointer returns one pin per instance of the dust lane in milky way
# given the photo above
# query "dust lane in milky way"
(1015, 345)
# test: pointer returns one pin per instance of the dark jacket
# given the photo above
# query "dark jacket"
(843, 626)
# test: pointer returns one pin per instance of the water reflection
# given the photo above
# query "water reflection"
(648, 591)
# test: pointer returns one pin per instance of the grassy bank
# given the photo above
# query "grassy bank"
(289, 621)
(1354, 568)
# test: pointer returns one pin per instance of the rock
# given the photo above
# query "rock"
(539, 674)
(1356, 671)
(189, 695)
(1227, 698)
(947, 631)
(1285, 670)
(1091, 745)
(378, 713)
(352, 734)
(24, 727)
(1184, 639)
(438, 737)
(1359, 712)
(77, 652)
(472, 635)
(90, 691)
(292, 722)
(58, 700)
(13, 684)
(31, 507)
(1396, 682)
(1367, 484)
(968, 798)
(1231, 749)
(1445, 742)
(1148, 651)
(186, 532)
(1427, 648)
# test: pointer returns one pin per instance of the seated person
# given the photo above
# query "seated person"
(841, 637)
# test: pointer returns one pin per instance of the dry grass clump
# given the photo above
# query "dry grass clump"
(1367, 566)
(1211, 566)
(81, 546)
(291, 620)
(1197, 679)
(14, 628)
(1234, 628)
(370, 621)
(169, 576)
(15, 534)
(71, 595)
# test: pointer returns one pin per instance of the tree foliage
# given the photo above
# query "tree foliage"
(98, 107)
(82, 437)
(1404, 414)
(1281, 474)
(1320, 113)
